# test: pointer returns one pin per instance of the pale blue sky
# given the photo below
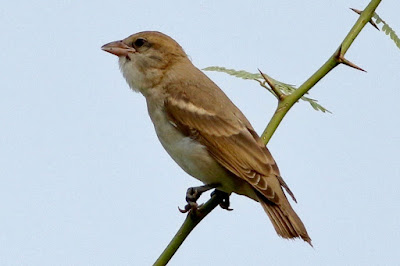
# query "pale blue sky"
(84, 181)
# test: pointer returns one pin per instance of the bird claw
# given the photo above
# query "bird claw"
(224, 204)
(192, 206)
(223, 198)
(194, 193)
(185, 210)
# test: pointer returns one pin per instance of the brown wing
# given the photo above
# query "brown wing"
(202, 111)
(229, 138)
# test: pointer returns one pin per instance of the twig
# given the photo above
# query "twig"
(192, 219)
(337, 58)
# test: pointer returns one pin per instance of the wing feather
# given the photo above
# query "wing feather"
(232, 142)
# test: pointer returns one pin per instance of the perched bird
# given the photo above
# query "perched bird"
(202, 130)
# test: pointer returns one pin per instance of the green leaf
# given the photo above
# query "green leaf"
(387, 30)
(237, 73)
(378, 19)
(283, 87)
(314, 103)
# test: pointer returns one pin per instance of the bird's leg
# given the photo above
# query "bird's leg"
(223, 199)
(193, 194)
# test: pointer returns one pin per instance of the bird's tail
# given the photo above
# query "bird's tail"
(285, 220)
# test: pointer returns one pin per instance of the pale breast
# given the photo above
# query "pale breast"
(190, 155)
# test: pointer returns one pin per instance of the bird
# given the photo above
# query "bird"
(203, 130)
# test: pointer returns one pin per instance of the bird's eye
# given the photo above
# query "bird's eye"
(139, 42)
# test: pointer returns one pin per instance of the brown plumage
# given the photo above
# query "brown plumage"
(202, 130)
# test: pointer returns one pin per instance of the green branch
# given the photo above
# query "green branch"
(192, 219)
(336, 59)
(284, 105)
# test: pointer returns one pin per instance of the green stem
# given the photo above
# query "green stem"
(192, 219)
(287, 103)
(284, 106)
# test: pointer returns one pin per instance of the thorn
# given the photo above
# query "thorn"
(356, 10)
(370, 21)
(338, 54)
(277, 92)
(350, 64)
(340, 58)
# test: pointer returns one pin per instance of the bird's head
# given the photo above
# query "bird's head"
(144, 57)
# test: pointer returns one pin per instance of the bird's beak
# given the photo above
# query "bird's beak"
(118, 48)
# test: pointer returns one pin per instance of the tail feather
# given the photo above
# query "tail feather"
(285, 220)
(276, 219)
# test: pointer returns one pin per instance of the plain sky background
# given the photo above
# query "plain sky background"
(84, 180)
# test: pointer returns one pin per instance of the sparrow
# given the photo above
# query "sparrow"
(202, 130)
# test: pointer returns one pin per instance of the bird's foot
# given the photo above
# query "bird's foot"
(223, 197)
(192, 195)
